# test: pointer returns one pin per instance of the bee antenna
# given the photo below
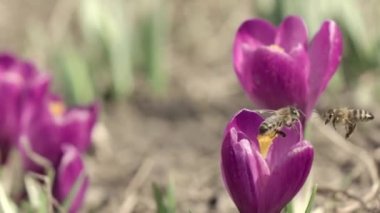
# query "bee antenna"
(298, 127)
(302, 113)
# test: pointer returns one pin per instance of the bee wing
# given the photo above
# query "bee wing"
(319, 115)
(316, 114)
(265, 112)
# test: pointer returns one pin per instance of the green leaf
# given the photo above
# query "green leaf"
(289, 208)
(6, 205)
(38, 197)
(165, 199)
(152, 40)
(311, 200)
(156, 51)
(265, 8)
(26, 207)
(170, 198)
(109, 27)
(118, 39)
(76, 76)
(90, 18)
(74, 191)
(158, 197)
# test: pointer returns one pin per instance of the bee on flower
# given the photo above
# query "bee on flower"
(283, 117)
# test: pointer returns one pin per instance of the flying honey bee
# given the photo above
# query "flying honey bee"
(348, 117)
(286, 116)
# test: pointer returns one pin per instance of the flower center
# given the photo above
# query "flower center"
(57, 108)
(264, 142)
(276, 48)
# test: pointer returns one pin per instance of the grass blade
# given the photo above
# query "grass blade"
(311, 200)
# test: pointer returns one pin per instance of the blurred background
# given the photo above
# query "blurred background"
(162, 71)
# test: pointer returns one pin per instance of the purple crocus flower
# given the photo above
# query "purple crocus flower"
(51, 125)
(278, 67)
(59, 135)
(39, 123)
(262, 175)
(71, 179)
(18, 79)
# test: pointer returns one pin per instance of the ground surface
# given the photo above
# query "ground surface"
(177, 136)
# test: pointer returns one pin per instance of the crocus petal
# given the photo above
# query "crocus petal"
(77, 126)
(70, 169)
(246, 121)
(40, 130)
(19, 83)
(10, 97)
(276, 79)
(253, 33)
(241, 167)
(325, 53)
(35, 98)
(250, 35)
(6, 61)
(286, 179)
(36, 129)
(44, 141)
(28, 70)
(291, 33)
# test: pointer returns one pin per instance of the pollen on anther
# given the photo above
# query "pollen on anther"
(276, 48)
(57, 108)
(265, 141)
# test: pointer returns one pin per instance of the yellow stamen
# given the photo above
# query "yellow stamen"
(57, 108)
(276, 48)
(265, 141)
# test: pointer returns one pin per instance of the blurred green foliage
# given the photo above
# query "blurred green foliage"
(107, 31)
(164, 198)
(75, 75)
(289, 208)
(311, 199)
(357, 21)
(39, 197)
(106, 47)
(6, 204)
(153, 34)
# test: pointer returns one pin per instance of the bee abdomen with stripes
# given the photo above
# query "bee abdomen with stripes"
(348, 117)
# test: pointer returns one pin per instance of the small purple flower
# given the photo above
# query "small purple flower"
(70, 173)
(39, 124)
(262, 176)
(59, 135)
(18, 80)
(51, 125)
(75, 123)
(277, 67)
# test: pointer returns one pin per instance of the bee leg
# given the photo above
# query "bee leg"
(350, 127)
(328, 117)
(334, 121)
(327, 120)
(281, 133)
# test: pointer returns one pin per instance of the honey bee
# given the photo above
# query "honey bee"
(348, 117)
(282, 117)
